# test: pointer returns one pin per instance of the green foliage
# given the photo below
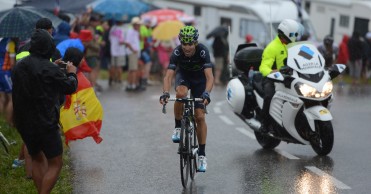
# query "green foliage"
(14, 180)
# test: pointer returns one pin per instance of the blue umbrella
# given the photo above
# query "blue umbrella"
(122, 10)
(20, 21)
(64, 45)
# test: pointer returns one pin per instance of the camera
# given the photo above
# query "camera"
(63, 65)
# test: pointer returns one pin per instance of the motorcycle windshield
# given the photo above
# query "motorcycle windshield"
(305, 58)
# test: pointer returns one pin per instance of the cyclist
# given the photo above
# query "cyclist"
(274, 57)
(190, 63)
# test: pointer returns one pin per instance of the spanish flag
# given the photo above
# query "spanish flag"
(81, 115)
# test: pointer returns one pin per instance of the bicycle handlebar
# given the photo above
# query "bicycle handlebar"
(184, 100)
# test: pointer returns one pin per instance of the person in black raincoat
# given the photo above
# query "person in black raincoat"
(37, 86)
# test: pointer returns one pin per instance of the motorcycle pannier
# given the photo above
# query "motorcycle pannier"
(248, 55)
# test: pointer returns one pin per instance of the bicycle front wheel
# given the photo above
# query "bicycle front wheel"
(184, 147)
(194, 152)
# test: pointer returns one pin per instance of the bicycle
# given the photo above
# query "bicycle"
(188, 144)
(4, 142)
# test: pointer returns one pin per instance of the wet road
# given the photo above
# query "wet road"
(137, 155)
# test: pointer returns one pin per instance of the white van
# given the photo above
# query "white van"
(258, 18)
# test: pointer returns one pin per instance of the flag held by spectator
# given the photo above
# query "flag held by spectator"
(81, 115)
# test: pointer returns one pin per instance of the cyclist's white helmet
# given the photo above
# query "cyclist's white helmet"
(290, 30)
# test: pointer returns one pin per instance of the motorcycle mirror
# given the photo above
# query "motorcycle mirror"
(276, 76)
(336, 70)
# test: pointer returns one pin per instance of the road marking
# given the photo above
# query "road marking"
(226, 120)
(217, 110)
(286, 154)
(338, 184)
(246, 132)
(220, 103)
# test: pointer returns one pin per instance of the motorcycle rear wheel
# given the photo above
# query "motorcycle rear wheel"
(266, 141)
(322, 144)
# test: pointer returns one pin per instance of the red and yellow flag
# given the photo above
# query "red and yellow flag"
(81, 115)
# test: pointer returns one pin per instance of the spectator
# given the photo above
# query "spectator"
(118, 52)
(355, 48)
(368, 54)
(343, 56)
(249, 38)
(37, 86)
(220, 51)
(329, 51)
(63, 33)
(93, 52)
(145, 32)
(92, 49)
(164, 50)
(45, 24)
(5, 82)
(133, 52)
(105, 46)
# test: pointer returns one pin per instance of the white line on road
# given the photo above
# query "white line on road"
(217, 110)
(226, 120)
(246, 132)
(286, 154)
(338, 184)
(220, 103)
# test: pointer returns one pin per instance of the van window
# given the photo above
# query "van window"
(197, 10)
(254, 28)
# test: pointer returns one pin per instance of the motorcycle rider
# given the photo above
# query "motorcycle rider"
(274, 57)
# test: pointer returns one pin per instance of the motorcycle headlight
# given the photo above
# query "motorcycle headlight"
(309, 91)
(327, 88)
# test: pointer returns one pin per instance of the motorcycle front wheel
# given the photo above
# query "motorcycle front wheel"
(266, 141)
(323, 141)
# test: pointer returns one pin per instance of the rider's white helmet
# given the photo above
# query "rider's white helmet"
(290, 30)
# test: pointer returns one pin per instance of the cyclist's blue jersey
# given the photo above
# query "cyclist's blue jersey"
(190, 66)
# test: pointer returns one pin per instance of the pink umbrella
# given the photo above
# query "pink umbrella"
(161, 15)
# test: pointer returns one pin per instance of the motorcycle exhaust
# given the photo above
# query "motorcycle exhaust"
(253, 124)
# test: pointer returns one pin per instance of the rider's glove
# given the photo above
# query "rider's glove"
(206, 96)
(165, 96)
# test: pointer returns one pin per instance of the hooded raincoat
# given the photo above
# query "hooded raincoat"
(37, 86)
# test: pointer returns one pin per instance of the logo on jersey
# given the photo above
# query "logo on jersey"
(176, 52)
(203, 53)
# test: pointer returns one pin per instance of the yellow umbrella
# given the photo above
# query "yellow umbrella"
(167, 30)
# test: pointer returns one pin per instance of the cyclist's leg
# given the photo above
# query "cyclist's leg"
(197, 88)
(201, 129)
(181, 88)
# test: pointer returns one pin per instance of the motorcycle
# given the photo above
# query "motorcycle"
(299, 110)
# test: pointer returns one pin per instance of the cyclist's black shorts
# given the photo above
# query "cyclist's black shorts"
(197, 85)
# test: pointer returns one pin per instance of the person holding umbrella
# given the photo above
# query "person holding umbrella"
(220, 50)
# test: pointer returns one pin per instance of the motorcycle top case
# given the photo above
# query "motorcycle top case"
(247, 56)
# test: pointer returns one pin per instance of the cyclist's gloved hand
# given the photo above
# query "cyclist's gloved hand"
(206, 96)
(164, 97)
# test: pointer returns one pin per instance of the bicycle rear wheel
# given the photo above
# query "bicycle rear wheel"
(184, 156)
(194, 152)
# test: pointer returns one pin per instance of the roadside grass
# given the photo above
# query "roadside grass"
(14, 180)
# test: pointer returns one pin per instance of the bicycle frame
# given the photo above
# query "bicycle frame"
(188, 145)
